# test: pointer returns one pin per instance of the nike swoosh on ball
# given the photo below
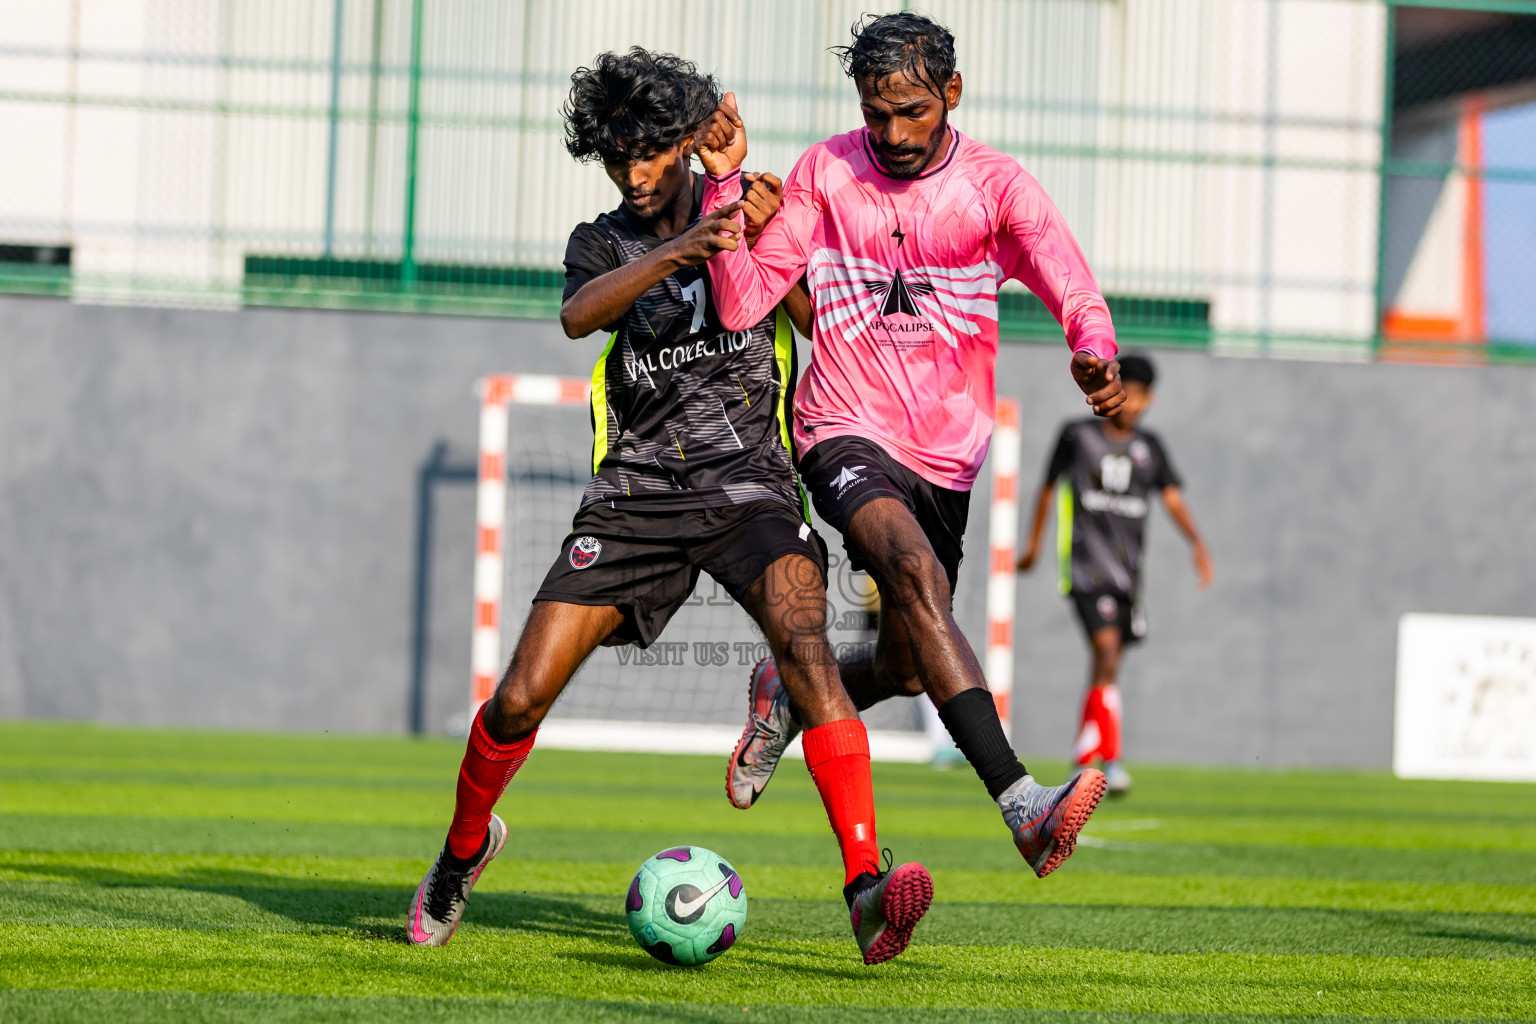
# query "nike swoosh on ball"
(682, 908)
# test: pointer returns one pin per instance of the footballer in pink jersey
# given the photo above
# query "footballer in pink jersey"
(903, 230)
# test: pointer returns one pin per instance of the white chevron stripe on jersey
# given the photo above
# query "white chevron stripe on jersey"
(849, 293)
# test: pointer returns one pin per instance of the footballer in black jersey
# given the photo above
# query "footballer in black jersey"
(1105, 473)
(691, 473)
(686, 414)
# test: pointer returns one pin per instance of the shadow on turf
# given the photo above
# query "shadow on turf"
(378, 914)
(843, 965)
(1479, 935)
(363, 911)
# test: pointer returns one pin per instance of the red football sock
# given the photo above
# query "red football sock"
(488, 767)
(838, 756)
(1099, 734)
(1109, 722)
(1090, 734)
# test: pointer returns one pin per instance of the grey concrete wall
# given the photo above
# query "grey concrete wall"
(210, 517)
(1335, 498)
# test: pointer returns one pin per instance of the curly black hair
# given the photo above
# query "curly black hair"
(1136, 367)
(888, 44)
(627, 106)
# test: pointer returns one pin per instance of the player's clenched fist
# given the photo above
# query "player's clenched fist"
(764, 193)
(1100, 381)
(712, 233)
(721, 140)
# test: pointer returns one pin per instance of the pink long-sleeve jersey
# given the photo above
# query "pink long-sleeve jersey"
(903, 277)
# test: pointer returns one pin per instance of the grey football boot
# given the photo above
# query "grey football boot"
(770, 730)
(886, 909)
(444, 893)
(1045, 820)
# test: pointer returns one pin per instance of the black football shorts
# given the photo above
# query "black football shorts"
(647, 563)
(844, 474)
(1098, 609)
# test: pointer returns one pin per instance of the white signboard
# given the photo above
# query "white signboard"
(1466, 698)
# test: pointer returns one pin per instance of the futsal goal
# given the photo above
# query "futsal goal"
(686, 693)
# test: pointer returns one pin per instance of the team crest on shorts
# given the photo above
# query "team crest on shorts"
(1108, 606)
(584, 551)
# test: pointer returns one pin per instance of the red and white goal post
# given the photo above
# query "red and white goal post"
(499, 393)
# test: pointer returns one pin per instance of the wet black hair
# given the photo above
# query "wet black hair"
(629, 105)
(889, 44)
(1136, 367)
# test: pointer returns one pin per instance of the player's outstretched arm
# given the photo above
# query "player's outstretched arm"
(765, 194)
(1037, 526)
(1178, 511)
(747, 283)
(605, 299)
(1037, 249)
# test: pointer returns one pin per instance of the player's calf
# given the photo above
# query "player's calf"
(875, 672)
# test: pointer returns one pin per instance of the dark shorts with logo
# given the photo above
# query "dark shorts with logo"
(647, 563)
(1097, 609)
(846, 473)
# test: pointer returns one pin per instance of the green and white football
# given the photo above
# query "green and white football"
(686, 906)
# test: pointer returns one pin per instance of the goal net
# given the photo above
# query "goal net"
(687, 691)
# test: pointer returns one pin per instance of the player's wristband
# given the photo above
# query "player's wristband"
(1104, 348)
(721, 186)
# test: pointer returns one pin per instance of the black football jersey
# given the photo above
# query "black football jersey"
(1102, 504)
(685, 414)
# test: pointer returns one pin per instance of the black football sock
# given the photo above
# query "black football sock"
(464, 864)
(971, 718)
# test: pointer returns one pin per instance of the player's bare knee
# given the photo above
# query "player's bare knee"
(789, 600)
(802, 623)
(514, 711)
(806, 654)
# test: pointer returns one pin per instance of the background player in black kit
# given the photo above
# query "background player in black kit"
(1107, 469)
(691, 472)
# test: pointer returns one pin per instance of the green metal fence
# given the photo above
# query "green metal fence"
(1220, 160)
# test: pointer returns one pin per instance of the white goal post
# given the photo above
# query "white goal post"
(501, 395)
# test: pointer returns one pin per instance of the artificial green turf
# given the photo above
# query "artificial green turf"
(163, 874)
